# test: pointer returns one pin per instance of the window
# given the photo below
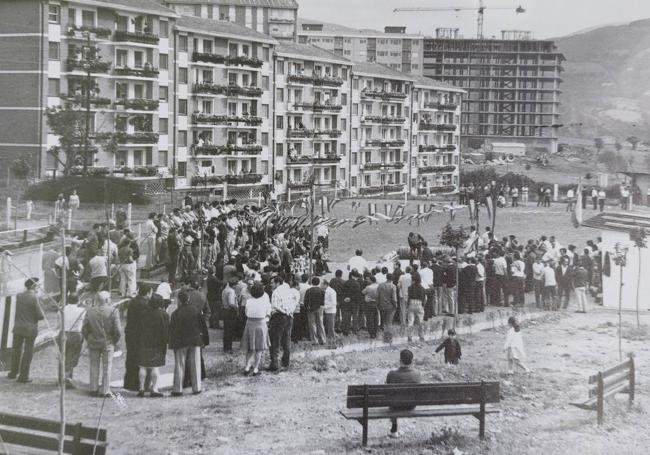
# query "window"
(53, 87)
(162, 157)
(164, 29)
(279, 176)
(54, 14)
(265, 110)
(182, 75)
(344, 71)
(121, 58)
(344, 99)
(281, 67)
(53, 53)
(163, 93)
(279, 94)
(353, 157)
(163, 125)
(342, 149)
(279, 122)
(344, 124)
(265, 82)
(138, 59)
(182, 139)
(88, 18)
(182, 43)
(72, 17)
(355, 109)
(182, 167)
(279, 149)
(163, 62)
(353, 182)
(265, 138)
(355, 134)
(182, 107)
(266, 53)
(355, 84)
(207, 46)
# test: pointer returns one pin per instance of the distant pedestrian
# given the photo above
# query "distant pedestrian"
(452, 348)
(602, 196)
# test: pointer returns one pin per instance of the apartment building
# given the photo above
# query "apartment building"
(435, 166)
(276, 18)
(512, 84)
(224, 104)
(312, 118)
(41, 48)
(393, 47)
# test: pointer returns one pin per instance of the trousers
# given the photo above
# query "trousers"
(191, 356)
(101, 359)
(22, 353)
(230, 318)
(316, 328)
(415, 313)
(280, 327)
(350, 319)
(128, 286)
(581, 294)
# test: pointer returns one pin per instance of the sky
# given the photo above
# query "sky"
(545, 18)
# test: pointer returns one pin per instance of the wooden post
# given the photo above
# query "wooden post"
(112, 210)
(69, 219)
(76, 441)
(600, 398)
(8, 213)
(364, 422)
(481, 420)
(128, 215)
(62, 342)
(632, 380)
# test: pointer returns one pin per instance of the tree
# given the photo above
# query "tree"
(638, 236)
(633, 140)
(598, 142)
(68, 123)
(618, 146)
(20, 168)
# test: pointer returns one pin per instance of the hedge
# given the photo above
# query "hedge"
(89, 189)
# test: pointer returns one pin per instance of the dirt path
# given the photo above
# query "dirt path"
(297, 411)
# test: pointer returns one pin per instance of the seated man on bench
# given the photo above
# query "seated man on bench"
(403, 375)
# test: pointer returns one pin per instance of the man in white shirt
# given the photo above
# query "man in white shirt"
(549, 285)
(358, 262)
(501, 275)
(329, 314)
(402, 287)
(73, 316)
(517, 271)
(538, 281)
(380, 277)
(485, 238)
(164, 290)
(283, 307)
(323, 232)
(570, 199)
(426, 275)
(98, 271)
(150, 233)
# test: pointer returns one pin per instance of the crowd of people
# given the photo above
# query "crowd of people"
(244, 269)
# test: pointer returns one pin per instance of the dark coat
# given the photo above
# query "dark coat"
(185, 328)
(28, 313)
(135, 314)
(353, 293)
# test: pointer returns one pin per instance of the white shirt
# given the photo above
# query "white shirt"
(403, 284)
(322, 231)
(538, 271)
(73, 317)
(500, 266)
(380, 278)
(427, 277)
(258, 308)
(150, 229)
(480, 272)
(549, 276)
(284, 301)
(569, 194)
(359, 263)
(164, 290)
(330, 301)
(515, 344)
(517, 268)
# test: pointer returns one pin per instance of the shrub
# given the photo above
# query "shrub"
(89, 189)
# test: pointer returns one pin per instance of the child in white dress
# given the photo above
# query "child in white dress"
(514, 347)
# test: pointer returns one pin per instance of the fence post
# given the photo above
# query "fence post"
(8, 213)
(69, 219)
(225, 190)
(364, 433)
(599, 398)
(555, 192)
(632, 380)
(128, 215)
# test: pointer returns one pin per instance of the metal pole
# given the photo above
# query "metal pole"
(87, 119)
(62, 343)
(311, 230)
(620, 306)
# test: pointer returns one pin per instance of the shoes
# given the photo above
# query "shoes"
(177, 394)
(247, 372)
(94, 393)
(272, 368)
(156, 395)
(12, 376)
(197, 392)
(24, 380)
(256, 372)
(140, 393)
(394, 434)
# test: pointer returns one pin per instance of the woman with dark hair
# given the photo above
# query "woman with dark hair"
(514, 346)
(255, 339)
(153, 344)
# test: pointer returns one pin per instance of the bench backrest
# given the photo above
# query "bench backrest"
(394, 395)
(43, 434)
(613, 379)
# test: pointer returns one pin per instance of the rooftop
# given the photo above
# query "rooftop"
(291, 4)
(221, 28)
(421, 81)
(376, 69)
(308, 52)
(139, 6)
(336, 29)
(619, 221)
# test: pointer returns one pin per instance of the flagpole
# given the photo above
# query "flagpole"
(312, 196)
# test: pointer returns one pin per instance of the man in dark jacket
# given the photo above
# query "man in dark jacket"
(351, 304)
(28, 313)
(314, 301)
(564, 278)
(135, 314)
(338, 284)
(404, 375)
(186, 339)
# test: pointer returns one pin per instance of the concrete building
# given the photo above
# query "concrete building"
(512, 84)
(312, 118)
(276, 18)
(393, 47)
(224, 104)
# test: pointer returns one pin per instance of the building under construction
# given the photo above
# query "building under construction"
(512, 84)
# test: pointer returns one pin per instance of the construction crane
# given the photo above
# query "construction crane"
(481, 11)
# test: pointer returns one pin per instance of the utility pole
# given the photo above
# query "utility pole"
(62, 342)
(312, 197)
(85, 52)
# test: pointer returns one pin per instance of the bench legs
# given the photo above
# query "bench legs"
(364, 432)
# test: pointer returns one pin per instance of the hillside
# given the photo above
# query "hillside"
(607, 81)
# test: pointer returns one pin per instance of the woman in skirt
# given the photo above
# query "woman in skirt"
(255, 339)
(153, 345)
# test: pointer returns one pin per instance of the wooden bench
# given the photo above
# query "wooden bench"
(617, 379)
(371, 402)
(43, 434)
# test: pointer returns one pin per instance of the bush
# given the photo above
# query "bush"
(89, 189)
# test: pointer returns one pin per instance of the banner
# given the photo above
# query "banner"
(576, 215)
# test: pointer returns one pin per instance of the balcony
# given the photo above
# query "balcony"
(138, 104)
(136, 138)
(382, 94)
(226, 60)
(136, 37)
(81, 100)
(227, 90)
(390, 188)
(318, 107)
(225, 119)
(330, 133)
(229, 149)
(385, 165)
(300, 133)
(140, 171)
(437, 189)
(437, 126)
(80, 65)
(281, 20)
(244, 179)
(321, 159)
(382, 119)
(389, 144)
(435, 169)
(82, 32)
(433, 148)
(299, 186)
(325, 81)
(148, 72)
(441, 106)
